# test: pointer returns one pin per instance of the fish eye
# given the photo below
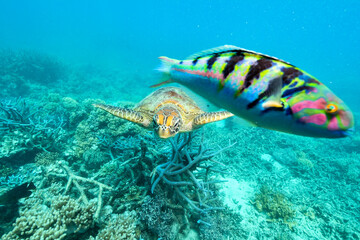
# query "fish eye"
(331, 108)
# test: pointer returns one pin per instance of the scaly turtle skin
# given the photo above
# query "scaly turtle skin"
(168, 111)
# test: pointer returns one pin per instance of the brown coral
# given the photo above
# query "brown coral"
(39, 221)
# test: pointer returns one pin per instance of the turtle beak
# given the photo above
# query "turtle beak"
(164, 132)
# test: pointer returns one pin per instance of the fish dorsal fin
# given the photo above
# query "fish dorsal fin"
(231, 48)
(212, 51)
(274, 94)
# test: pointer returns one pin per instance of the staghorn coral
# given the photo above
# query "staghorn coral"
(187, 172)
(23, 130)
(61, 166)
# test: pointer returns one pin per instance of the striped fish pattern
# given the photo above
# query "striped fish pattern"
(264, 90)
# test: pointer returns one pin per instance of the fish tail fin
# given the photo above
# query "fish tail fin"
(165, 68)
(166, 64)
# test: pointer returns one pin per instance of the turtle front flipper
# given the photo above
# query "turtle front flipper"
(209, 117)
(124, 113)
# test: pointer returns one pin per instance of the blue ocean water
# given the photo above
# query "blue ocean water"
(321, 38)
(110, 50)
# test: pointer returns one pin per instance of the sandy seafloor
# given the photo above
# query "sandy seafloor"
(92, 171)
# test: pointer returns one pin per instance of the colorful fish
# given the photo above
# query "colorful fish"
(264, 90)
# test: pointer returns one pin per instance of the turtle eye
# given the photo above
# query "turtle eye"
(176, 126)
(155, 120)
(331, 108)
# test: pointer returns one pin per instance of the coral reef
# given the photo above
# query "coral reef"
(52, 217)
(74, 180)
(32, 66)
(158, 218)
(119, 227)
(275, 205)
(46, 158)
(99, 177)
(21, 131)
(21, 71)
(222, 225)
(179, 171)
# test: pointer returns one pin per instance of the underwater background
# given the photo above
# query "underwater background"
(70, 171)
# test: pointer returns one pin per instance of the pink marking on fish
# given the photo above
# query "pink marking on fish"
(210, 74)
(318, 119)
(333, 124)
(344, 117)
(318, 104)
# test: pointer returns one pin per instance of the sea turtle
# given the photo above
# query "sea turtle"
(168, 111)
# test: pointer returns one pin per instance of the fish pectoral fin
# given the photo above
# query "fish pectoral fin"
(124, 113)
(162, 83)
(274, 94)
(205, 118)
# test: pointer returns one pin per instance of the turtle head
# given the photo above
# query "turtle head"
(167, 122)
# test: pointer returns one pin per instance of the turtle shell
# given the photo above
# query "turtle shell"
(169, 96)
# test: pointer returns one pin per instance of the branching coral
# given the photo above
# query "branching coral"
(187, 168)
(22, 131)
(50, 215)
(74, 179)
(123, 147)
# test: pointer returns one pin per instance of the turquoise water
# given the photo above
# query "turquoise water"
(59, 57)
(321, 38)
